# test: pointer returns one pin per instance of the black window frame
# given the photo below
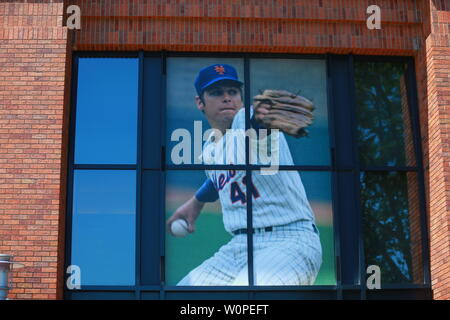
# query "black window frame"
(344, 168)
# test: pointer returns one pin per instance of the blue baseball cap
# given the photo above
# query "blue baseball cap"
(213, 74)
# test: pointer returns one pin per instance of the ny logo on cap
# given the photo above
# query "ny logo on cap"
(219, 69)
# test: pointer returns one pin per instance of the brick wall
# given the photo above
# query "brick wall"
(32, 71)
(413, 189)
(437, 50)
(289, 26)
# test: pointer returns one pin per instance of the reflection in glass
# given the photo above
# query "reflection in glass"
(106, 116)
(295, 252)
(306, 78)
(103, 226)
(384, 128)
(391, 218)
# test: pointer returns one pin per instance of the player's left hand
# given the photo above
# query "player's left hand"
(283, 110)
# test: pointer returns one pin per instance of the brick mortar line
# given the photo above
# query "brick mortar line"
(245, 19)
(93, 46)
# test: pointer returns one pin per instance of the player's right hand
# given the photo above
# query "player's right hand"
(189, 211)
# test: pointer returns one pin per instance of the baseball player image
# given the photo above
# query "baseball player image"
(286, 242)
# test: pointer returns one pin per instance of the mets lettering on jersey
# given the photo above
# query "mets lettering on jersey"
(280, 198)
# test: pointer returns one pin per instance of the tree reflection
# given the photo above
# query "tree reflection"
(384, 139)
(384, 198)
(379, 113)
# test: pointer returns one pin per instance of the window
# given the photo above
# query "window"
(346, 196)
(389, 182)
(103, 226)
(103, 210)
(106, 126)
(212, 254)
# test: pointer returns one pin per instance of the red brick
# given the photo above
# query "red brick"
(34, 68)
(430, 64)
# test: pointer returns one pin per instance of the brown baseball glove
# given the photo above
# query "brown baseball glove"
(283, 110)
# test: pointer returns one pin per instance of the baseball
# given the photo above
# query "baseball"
(179, 228)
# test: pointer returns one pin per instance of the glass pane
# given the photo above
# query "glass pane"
(306, 78)
(106, 119)
(298, 247)
(103, 226)
(391, 217)
(187, 126)
(384, 129)
(208, 256)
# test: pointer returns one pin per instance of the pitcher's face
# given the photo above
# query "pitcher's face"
(221, 103)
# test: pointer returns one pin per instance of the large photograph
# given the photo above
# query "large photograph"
(208, 210)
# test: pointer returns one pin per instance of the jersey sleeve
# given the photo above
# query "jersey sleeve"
(207, 192)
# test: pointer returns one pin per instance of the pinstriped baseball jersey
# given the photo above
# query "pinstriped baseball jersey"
(278, 199)
(288, 255)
